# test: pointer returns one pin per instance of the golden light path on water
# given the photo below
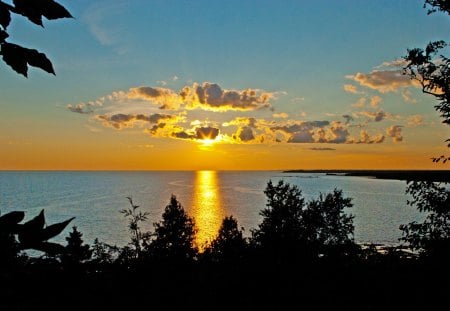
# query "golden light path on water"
(206, 206)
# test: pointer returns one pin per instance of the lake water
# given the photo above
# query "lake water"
(95, 199)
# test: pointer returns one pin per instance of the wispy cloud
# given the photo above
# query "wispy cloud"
(383, 81)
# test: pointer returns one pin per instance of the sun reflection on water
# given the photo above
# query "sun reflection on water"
(206, 207)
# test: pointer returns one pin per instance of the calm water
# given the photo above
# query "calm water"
(95, 199)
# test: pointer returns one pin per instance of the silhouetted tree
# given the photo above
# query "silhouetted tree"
(431, 237)
(229, 245)
(281, 232)
(19, 57)
(291, 228)
(432, 69)
(173, 237)
(76, 252)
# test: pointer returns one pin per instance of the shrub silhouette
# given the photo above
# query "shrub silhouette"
(173, 237)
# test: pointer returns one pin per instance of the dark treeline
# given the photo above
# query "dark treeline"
(301, 255)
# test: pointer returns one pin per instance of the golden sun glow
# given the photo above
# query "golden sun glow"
(207, 209)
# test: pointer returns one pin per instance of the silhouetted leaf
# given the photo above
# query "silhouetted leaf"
(5, 15)
(9, 222)
(31, 230)
(55, 229)
(19, 58)
(37, 59)
(53, 10)
(14, 56)
(30, 9)
(35, 9)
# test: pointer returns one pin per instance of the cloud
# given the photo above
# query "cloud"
(374, 116)
(81, 108)
(348, 118)
(407, 97)
(198, 133)
(360, 103)
(165, 98)
(244, 134)
(383, 81)
(205, 96)
(395, 132)
(210, 96)
(375, 101)
(415, 120)
(396, 63)
(337, 133)
(350, 88)
(321, 149)
(120, 120)
(281, 115)
(365, 138)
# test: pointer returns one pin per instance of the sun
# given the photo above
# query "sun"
(208, 142)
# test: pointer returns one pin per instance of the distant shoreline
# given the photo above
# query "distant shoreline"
(409, 175)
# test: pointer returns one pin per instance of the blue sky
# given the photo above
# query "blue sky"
(300, 53)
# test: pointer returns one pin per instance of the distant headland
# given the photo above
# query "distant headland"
(409, 175)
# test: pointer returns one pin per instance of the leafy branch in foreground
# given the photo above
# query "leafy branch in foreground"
(19, 57)
(135, 217)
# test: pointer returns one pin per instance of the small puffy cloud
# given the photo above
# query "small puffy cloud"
(395, 132)
(198, 133)
(244, 134)
(206, 132)
(210, 96)
(396, 63)
(374, 116)
(360, 103)
(165, 98)
(244, 121)
(348, 118)
(89, 107)
(337, 133)
(281, 115)
(350, 88)
(375, 101)
(299, 126)
(120, 120)
(415, 120)
(407, 97)
(365, 138)
(304, 136)
(383, 81)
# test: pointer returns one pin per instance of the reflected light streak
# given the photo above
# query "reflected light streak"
(206, 207)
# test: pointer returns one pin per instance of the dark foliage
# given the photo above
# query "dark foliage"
(293, 229)
(173, 238)
(33, 234)
(437, 5)
(76, 252)
(19, 57)
(229, 245)
(431, 69)
(431, 237)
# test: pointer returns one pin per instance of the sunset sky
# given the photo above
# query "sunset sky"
(221, 85)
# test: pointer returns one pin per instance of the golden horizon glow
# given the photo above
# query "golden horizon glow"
(207, 208)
